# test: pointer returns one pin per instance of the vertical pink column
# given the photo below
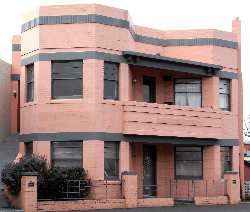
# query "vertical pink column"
(210, 92)
(236, 28)
(125, 155)
(125, 82)
(42, 148)
(14, 98)
(93, 159)
(93, 75)
(211, 163)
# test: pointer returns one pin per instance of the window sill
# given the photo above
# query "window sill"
(112, 182)
(65, 101)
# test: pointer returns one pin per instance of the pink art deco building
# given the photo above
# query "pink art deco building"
(89, 89)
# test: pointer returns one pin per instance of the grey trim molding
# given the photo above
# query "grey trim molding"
(103, 136)
(100, 19)
(15, 77)
(16, 47)
(140, 59)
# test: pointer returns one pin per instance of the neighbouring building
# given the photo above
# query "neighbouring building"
(5, 70)
(89, 89)
(247, 161)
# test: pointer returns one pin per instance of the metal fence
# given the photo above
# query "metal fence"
(185, 189)
(83, 189)
(247, 189)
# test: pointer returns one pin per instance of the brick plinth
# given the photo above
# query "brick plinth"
(219, 200)
(29, 192)
(129, 189)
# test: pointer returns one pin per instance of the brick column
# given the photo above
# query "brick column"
(42, 148)
(233, 187)
(93, 80)
(93, 159)
(210, 92)
(211, 163)
(125, 154)
(29, 191)
(129, 189)
(125, 82)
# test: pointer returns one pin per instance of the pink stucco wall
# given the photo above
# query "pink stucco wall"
(129, 115)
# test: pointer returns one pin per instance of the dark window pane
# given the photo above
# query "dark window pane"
(226, 159)
(188, 162)
(111, 71)
(28, 149)
(110, 90)
(67, 88)
(111, 81)
(29, 82)
(67, 154)
(67, 69)
(67, 79)
(111, 160)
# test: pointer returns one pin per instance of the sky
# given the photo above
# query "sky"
(159, 14)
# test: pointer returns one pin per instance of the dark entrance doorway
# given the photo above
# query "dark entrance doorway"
(149, 89)
(149, 164)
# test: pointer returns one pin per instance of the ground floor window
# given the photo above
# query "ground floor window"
(67, 154)
(188, 162)
(226, 159)
(111, 160)
(28, 149)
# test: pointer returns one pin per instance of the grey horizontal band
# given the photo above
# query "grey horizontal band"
(15, 77)
(146, 60)
(16, 47)
(100, 19)
(73, 136)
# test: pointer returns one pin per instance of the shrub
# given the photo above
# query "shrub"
(12, 172)
(50, 181)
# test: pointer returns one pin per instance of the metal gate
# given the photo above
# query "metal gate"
(149, 171)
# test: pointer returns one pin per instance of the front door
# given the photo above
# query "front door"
(149, 165)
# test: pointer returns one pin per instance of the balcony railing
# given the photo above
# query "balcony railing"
(171, 120)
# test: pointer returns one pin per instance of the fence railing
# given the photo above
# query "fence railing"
(247, 189)
(184, 189)
(83, 189)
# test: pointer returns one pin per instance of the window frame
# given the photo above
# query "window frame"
(29, 84)
(54, 97)
(52, 150)
(227, 94)
(229, 155)
(174, 83)
(110, 80)
(186, 177)
(113, 178)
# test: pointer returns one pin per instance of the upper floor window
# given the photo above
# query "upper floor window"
(111, 80)
(29, 82)
(111, 160)
(224, 92)
(188, 162)
(67, 154)
(67, 79)
(188, 92)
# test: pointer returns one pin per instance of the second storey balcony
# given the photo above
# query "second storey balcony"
(141, 95)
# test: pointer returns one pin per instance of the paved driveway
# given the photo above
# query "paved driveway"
(243, 207)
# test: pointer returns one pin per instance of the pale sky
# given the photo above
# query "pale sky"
(160, 14)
